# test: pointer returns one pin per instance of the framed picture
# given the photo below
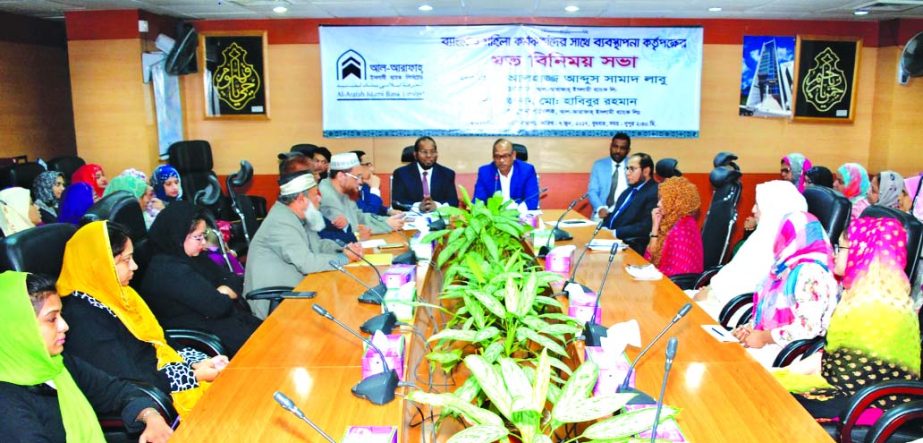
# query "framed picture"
(826, 77)
(234, 74)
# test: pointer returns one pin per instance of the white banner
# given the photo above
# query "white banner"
(499, 80)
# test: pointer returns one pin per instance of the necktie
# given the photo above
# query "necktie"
(610, 200)
(425, 184)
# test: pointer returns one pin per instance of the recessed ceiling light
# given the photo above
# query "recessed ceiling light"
(714, 9)
(425, 8)
(860, 12)
(280, 9)
(571, 8)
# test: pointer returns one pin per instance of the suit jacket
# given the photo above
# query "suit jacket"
(601, 181)
(633, 223)
(369, 202)
(407, 185)
(523, 185)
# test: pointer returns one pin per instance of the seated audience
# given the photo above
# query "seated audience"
(47, 189)
(322, 158)
(676, 243)
(794, 169)
(888, 190)
(424, 183)
(167, 184)
(853, 182)
(607, 177)
(137, 188)
(154, 205)
(75, 201)
(17, 213)
(368, 198)
(286, 247)
(752, 263)
(185, 289)
(292, 163)
(874, 334)
(796, 299)
(335, 202)
(49, 396)
(111, 326)
(631, 219)
(93, 175)
(819, 176)
(513, 178)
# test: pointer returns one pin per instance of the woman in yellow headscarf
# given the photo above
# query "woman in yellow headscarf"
(111, 326)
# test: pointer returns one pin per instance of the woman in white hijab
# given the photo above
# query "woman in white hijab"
(17, 213)
(774, 200)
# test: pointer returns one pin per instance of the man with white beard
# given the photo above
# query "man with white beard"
(286, 248)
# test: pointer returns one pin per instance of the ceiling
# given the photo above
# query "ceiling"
(252, 9)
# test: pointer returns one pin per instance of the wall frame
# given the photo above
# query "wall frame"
(826, 76)
(233, 66)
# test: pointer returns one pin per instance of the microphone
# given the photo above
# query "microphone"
(586, 247)
(434, 225)
(289, 406)
(592, 331)
(560, 234)
(679, 315)
(373, 295)
(385, 321)
(671, 352)
(379, 388)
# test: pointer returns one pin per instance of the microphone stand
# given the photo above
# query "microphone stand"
(671, 352)
(644, 398)
(559, 234)
(592, 331)
(572, 280)
(289, 406)
(383, 322)
(373, 295)
(379, 388)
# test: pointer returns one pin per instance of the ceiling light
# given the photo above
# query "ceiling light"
(571, 8)
(280, 9)
(714, 9)
(425, 8)
(860, 12)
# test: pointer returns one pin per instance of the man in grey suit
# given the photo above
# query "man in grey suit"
(344, 179)
(283, 252)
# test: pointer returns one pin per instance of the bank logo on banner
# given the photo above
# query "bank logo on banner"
(351, 63)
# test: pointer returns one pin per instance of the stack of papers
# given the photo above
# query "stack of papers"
(601, 244)
(646, 272)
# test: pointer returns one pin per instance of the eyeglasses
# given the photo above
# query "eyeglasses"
(503, 156)
(358, 179)
(838, 248)
(785, 171)
(366, 164)
(198, 238)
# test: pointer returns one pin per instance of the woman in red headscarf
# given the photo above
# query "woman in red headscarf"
(93, 175)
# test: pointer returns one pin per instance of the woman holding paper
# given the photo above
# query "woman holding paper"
(795, 301)
(676, 243)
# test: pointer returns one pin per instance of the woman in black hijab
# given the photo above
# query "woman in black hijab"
(185, 289)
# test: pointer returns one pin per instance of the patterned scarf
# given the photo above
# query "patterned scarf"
(680, 198)
(855, 181)
(87, 174)
(43, 191)
(160, 176)
(14, 210)
(134, 185)
(799, 165)
(890, 188)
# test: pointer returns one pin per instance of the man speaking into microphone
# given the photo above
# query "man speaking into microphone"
(515, 179)
(630, 220)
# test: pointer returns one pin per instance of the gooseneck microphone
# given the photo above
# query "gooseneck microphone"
(671, 352)
(384, 322)
(679, 315)
(560, 234)
(290, 406)
(573, 273)
(373, 295)
(378, 388)
(594, 332)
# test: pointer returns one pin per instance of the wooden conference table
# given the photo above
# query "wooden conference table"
(723, 394)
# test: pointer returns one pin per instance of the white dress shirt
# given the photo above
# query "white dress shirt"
(505, 183)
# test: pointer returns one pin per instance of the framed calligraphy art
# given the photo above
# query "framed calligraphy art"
(826, 78)
(234, 74)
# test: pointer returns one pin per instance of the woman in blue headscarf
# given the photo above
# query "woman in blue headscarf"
(75, 201)
(166, 183)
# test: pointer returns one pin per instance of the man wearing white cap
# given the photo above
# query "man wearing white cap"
(283, 251)
(344, 180)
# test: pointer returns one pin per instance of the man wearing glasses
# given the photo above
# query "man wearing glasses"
(344, 179)
(514, 179)
(424, 181)
(630, 220)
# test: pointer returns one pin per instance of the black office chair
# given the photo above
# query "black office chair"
(914, 235)
(737, 312)
(193, 160)
(830, 207)
(306, 149)
(66, 165)
(20, 174)
(113, 427)
(121, 207)
(407, 155)
(522, 153)
(798, 349)
(50, 239)
(666, 168)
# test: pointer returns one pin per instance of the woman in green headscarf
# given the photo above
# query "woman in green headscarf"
(136, 187)
(47, 396)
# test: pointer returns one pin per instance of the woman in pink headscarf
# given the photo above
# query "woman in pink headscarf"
(853, 181)
(794, 169)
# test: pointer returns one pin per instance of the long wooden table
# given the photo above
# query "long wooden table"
(724, 394)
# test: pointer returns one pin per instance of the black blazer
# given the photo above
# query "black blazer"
(407, 186)
(633, 224)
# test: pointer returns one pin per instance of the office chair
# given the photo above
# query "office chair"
(830, 207)
(50, 239)
(20, 174)
(242, 205)
(522, 153)
(407, 155)
(666, 168)
(66, 165)
(737, 311)
(121, 207)
(193, 160)
(914, 235)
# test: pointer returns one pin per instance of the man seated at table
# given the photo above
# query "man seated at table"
(631, 219)
(335, 202)
(322, 158)
(286, 247)
(368, 198)
(292, 163)
(515, 179)
(424, 181)
(607, 178)
(307, 150)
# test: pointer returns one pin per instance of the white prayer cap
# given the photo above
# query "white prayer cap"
(299, 183)
(344, 161)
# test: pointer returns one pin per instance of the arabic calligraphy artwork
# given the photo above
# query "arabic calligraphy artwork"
(827, 71)
(235, 75)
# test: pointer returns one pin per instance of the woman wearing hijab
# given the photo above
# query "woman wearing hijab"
(888, 190)
(93, 175)
(50, 396)
(185, 289)
(167, 184)
(75, 201)
(111, 326)
(752, 262)
(794, 168)
(853, 182)
(874, 334)
(819, 176)
(153, 205)
(676, 243)
(136, 187)
(17, 213)
(796, 299)
(47, 189)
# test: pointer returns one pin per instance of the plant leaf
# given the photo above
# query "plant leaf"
(627, 423)
(577, 388)
(479, 434)
(492, 352)
(550, 301)
(455, 334)
(590, 408)
(560, 365)
(541, 381)
(491, 383)
(511, 296)
(542, 340)
(475, 414)
(517, 384)
(489, 302)
(527, 296)
(486, 334)
(468, 390)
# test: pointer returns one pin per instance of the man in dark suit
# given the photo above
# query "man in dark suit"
(630, 221)
(515, 179)
(423, 180)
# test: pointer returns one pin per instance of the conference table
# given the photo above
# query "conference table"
(723, 394)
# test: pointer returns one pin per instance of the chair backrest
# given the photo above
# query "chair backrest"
(830, 207)
(39, 250)
(20, 174)
(66, 165)
(193, 160)
(407, 155)
(721, 216)
(121, 207)
(522, 153)
(914, 235)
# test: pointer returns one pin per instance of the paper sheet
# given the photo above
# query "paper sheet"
(719, 333)
(373, 243)
(376, 259)
(646, 273)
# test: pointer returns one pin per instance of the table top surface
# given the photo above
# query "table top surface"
(722, 392)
